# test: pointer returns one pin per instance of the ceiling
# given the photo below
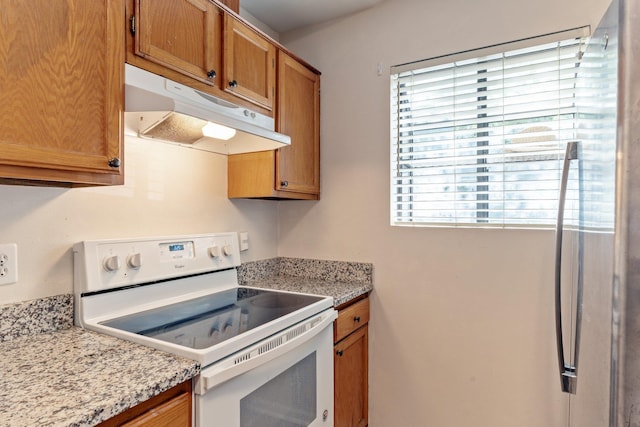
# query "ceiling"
(287, 15)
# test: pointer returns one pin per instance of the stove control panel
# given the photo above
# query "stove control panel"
(174, 251)
(106, 264)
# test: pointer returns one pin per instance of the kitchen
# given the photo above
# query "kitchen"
(445, 299)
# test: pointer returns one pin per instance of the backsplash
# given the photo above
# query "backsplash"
(258, 270)
(36, 316)
(330, 271)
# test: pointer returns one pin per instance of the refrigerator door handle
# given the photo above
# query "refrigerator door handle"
(568, 372)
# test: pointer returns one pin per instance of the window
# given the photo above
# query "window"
(478, 139)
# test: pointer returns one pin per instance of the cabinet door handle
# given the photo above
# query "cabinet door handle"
(132, 25)
(357, 319)
(114, 162)
(284, 183)
(339, 353)
(233, 83)
(211, 74)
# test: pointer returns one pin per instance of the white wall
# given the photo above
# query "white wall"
(462, 319)
(259, 24)
(168, 190)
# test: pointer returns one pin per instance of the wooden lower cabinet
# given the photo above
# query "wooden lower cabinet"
(172, 408)
(351, 357)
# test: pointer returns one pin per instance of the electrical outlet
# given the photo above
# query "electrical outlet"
(8, 263)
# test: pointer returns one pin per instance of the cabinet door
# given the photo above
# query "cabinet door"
(179, 34)
(351, 382)
(298, 115)
(61, 80)
(171, 408)
(174, 413)
(249, 63)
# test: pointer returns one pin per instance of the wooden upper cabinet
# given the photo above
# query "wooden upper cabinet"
(291, 172)
(183, 35)
(298, 115)
(249, 62)
(232, 4)
(61, 80)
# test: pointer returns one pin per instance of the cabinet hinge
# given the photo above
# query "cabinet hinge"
(132, 25)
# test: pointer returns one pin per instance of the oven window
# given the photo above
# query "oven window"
(288, 400)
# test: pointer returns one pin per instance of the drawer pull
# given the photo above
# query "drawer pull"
(339, 353)
(356, 319)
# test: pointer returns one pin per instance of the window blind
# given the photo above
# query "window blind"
(480, 140)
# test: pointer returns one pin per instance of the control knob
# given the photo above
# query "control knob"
(111, 263)
(134, 261)
(214, 252)
(227, 250)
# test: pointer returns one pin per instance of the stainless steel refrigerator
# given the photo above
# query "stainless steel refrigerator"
(598, 235)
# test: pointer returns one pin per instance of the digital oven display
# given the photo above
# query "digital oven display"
(176, 251)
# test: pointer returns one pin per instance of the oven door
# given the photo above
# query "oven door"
(283, 381)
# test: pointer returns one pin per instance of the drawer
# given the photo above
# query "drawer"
(351, 318)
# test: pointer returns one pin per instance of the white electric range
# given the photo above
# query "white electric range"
(266, 356)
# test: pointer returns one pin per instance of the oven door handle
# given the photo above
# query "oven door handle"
(263, 352)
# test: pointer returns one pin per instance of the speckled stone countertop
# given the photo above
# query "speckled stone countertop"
(54, 374)
(341, 280)
(36, 316)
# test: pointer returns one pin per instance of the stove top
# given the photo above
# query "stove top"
(212, 319)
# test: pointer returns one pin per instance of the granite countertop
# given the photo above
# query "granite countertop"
(74, 377)
(55, 374)
(341, 280)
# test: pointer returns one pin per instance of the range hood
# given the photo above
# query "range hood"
(161, 109)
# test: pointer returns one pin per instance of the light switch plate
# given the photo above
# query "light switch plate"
(244, 241)
(8, 263)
